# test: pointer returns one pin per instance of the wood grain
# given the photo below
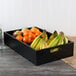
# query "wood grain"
(72, 60)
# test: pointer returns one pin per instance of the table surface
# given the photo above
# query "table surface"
(13, 64)
(72, 60)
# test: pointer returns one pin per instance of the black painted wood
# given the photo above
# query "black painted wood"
(13, 64)
(38, 57)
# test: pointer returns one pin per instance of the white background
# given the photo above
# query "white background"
(53, 15)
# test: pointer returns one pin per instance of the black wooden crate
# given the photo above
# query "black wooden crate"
(38, 57)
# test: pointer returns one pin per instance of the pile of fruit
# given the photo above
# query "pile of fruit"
(39, 40)
(27, 35)
(42, 41)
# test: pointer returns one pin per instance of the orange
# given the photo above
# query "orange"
(34, 29)
(19, 37)
(31, 35)
(30, 40)
(25, 39)
(25, 29)
(26, 33)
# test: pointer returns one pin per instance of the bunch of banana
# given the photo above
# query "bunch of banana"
(60, 39)
(43, 44)
(55, 41)
(52, 37)
(37, 43)
(42, 41)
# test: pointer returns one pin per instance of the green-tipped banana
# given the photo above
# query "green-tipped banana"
(36, 40)
(54, 43)
(59, 41)
(38, 45)
(56, 40)
(65, 40)
(43, 44)
(52, 37)
(41, 40)
(45, 37)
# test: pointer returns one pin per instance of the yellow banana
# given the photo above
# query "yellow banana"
(56, 49)
(61, 42)
(38, 45)
(65, 40)
(41, 41)
(43, 44)
(55, 41)
(36, 40)
(52, 37)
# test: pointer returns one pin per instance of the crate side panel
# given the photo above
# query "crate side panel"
(45, 56)
(23, 50)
